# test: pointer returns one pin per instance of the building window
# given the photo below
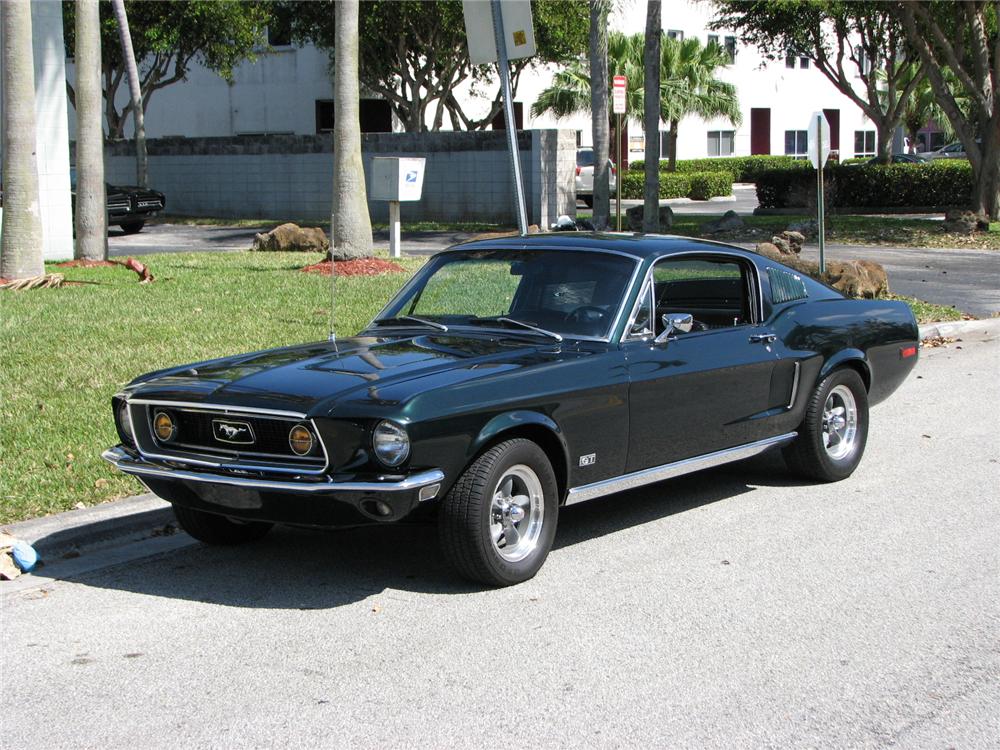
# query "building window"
(793, 55)
(375, 116)
(864, 62)
(713, 39)
(796, 142)
(720, 142)
(676, 35)
(864, 143)
(500, 121)
(731, 49)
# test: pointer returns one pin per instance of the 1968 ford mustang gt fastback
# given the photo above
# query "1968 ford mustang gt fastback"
(512, 376)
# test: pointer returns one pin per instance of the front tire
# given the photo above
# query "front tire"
(132, 227)
(214, 529)
(833, 434)
(497, 523)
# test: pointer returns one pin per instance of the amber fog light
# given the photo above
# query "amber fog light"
(164, 427)
(301, 440)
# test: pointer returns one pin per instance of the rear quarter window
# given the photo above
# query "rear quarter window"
(786, 286)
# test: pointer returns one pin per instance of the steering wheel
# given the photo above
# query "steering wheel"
(587, 314)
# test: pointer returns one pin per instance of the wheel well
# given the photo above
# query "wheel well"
(861, 368)
(546, 440)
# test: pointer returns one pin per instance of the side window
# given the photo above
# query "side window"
(715, 291)
(785, 286)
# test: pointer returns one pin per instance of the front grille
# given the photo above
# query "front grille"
(198, 438)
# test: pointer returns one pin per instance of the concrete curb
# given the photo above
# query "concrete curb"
(55, 535)
(137, 516)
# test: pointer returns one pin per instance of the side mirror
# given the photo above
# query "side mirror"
(673, 323)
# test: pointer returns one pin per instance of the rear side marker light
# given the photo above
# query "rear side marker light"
(907, 351)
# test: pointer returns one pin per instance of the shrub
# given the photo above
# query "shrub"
(742, 168)
(700, 186)
(705, 185)
(939, 183)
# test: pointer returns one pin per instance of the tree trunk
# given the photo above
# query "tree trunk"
(599, 109)
(651, 118)
(351, 226)
(138, 114)
(986, 188)
(91, 217)
(672, 144)
(883, 142)
(21, 243)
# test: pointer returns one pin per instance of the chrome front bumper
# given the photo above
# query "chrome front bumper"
(280, 500)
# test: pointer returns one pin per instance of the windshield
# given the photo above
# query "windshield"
(566, 292)
(585, 158)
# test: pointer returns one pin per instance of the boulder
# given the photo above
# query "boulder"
(730, 222)
(769, 249)
(964, 222)
(783, 245)
(789, 243)
(635, 215)
(292, 238)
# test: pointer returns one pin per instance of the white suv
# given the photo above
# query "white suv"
(585, 176)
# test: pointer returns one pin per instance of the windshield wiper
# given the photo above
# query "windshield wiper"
(536, 329)
(411, 319)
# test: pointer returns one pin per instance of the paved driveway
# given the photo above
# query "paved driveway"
(733, 608)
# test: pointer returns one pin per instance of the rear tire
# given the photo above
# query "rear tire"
(214, 529)
(588, 200)
(497, 524)
(132, 227)
(833, 434)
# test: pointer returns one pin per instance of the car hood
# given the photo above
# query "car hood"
(314, 378)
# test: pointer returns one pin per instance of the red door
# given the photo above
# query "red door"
(833, 118)
(760, 130)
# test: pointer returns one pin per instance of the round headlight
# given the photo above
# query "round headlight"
(125, 423)
(163, 426)
(391, 443)
(300, 440)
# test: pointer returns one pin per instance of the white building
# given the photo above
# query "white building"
(51, 134)
(289, 90)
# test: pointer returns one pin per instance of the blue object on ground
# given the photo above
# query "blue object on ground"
(24, 556)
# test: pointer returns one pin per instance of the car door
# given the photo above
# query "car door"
(696, 392)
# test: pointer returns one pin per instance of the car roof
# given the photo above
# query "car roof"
(639, 246)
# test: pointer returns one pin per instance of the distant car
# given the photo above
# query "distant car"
(900, 158)
(585, 176)
(951, 151)
(129, 206)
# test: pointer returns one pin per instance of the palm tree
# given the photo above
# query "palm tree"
(597, 105)
(352, 226)
(91, 214)
(21, 244)
(651, 117)
(688, 85)
(138, 115)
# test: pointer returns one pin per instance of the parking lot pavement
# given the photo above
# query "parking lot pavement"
(732, 608)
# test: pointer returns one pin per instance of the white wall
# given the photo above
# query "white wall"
(51, 134)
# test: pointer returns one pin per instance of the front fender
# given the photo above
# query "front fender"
(518, 421)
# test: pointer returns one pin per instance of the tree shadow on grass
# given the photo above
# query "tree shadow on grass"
(305, 569)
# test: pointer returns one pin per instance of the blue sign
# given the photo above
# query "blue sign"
(411, 176)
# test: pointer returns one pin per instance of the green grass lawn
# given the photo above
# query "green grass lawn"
(68, 350)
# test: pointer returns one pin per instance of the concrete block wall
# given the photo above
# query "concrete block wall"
(467, 175)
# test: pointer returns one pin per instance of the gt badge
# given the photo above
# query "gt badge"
(589, 460)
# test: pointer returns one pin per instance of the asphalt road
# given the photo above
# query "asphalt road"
(733, 608)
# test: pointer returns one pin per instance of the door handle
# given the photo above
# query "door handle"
(763, 338)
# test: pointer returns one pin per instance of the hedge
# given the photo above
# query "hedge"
(697, 185)
(938, 183)
(742, 168)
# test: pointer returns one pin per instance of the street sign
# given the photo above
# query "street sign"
(518, 30)
(619, 84)
(819, 139)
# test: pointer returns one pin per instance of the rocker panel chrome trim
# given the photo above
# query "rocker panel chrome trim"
(676, 469)
(126, 463)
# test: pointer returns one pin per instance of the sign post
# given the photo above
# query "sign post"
(513, 37)
(619, 87)
(819, 150)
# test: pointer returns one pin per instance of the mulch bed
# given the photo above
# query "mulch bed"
(359, 267)
(83, 263)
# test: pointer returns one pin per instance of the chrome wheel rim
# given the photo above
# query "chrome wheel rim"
(840, 423)
(516, 513)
